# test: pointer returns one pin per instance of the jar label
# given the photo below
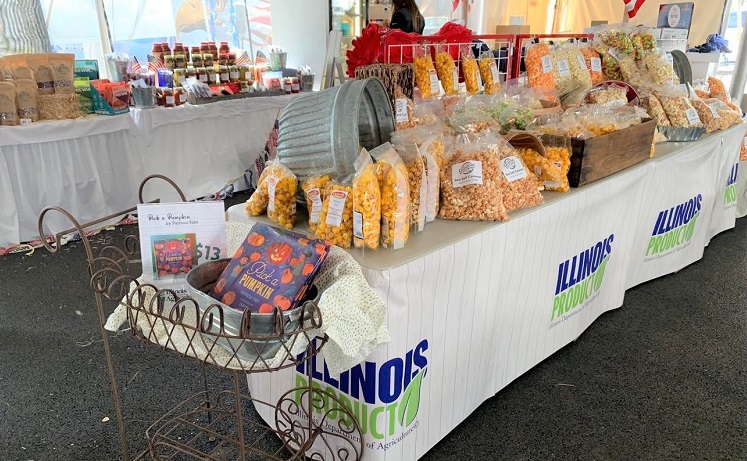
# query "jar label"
(170, 100)
(234, 75)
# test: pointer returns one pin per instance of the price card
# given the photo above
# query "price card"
(596, 64)
(176, 237)
(692, 117)
(513, 169)
(581, 62)
(546, 64)
(563, 69)
(434, 82)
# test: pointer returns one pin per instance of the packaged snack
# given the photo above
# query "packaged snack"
(539, 66)
(718, 89)
(426, 77)
(272, 268)
(708, 115)
(39, 63)
(470, 70)
(542, 167)
(27, 101)
(594, 64)
(618, 39)
(679, 110)
(655, 110)
(260, 198)
(471, 182)
(491, 79)
(568, 72)
(8, 109)
(611, 67)
(418, 184)
(521, 188)
(313, 189)
(730, 117)
(15, 67)
(609, 94)
(83, 89)
(336, 217)
(648, 41)
(447, 71)
(23, 73)
(366, 204)
(395, 197)
(62, 66)
(660, 67)
(631, 74)
(403, 110)
(558, 151)
(281, 196)
(433, 179)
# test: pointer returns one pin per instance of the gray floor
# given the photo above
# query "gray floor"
(662, 378)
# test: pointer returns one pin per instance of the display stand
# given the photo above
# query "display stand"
(209, 425)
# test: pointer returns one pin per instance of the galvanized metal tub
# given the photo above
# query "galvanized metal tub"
(201, 280)
(321, 133)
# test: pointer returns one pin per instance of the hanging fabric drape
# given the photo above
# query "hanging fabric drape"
(22, 27)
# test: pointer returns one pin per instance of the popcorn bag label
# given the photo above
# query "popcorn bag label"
(546, 64)
(513, 169)
(563, 69)
(315, 196)
(336, 207)
(596, 64)
(401, 110)
(466, 174)
(581, 62)
(714, 111)
(271, 186)
(435, 89)
(358, 224)
(494, 71)
(272, 268)
(692, 116)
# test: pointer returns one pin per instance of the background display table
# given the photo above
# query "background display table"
(472, 306)
(94, 165)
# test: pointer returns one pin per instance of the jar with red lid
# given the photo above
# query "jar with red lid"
(224, 48)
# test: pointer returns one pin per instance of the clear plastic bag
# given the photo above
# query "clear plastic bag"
(403, 110)
(470, 70)
(594, 64)
(282, 186)
(569, 69)
(395, 197)
(471, 182)
(418, 184)
(313, 189)
(426, 77)
(447, 71)
(660, 68)
(539, 66)
(542, 167)
(489, 73)
(708, 115)
(718, 89)
(260, 198)
(652, 104)
(336, 217)
(521, 187)
(366, 204)
(609, 94)
(433, 178)
(679, 110)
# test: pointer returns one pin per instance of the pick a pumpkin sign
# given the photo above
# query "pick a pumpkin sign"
(272, 268)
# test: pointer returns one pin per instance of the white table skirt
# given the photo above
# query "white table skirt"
(93, 166)
(473, 306)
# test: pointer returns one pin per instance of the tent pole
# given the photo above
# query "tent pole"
(740, 70)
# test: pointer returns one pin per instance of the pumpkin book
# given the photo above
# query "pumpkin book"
(272, 268)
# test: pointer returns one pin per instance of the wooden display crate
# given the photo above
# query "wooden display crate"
(596, 158)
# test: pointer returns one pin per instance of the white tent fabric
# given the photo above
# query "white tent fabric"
(22, 28)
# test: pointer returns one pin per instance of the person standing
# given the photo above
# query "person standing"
(407, 17)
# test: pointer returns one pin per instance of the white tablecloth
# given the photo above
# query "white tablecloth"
(473, 306)
(93, 166)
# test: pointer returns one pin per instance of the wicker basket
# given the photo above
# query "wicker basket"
(392, 76)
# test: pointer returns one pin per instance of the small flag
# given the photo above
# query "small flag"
(136, 67)
(632, 7)
(154, 63)
(261, 59)
(243, 59)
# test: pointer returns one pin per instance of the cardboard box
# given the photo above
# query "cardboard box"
(596, 158)
(512, 30)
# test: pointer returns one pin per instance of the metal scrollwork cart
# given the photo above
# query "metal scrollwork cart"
(214, 425)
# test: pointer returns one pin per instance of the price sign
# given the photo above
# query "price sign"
(176, 237)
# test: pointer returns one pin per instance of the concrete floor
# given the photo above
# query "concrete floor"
(662, 378)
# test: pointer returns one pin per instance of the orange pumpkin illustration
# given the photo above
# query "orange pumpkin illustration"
(244, 261)
(265, 309)
(228, 298)
(255, 239)
(294, 262)
(239, 252)
(158, 246)
(220, 285)
(278, 253)
(303, 241)
(255, 256)
(236, 270)
(287, 276)
(308, 269)
(321, 249)
(282, 302)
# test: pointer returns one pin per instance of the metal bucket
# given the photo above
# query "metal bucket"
(321, 133)
(200, 281)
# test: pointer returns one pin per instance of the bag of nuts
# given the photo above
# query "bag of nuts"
(470, 70)
(489, 74)
(366, 204)
(336, 217)
(395, 196)
(313, 189)
(448, 72)
(281, 194)
(471, 182)
(426, 77)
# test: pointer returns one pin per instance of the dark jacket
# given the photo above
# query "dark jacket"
(402, 19)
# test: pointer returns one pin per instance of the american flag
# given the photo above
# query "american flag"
(261, 59)
(136, 67)
(632, 6)
(154, 63)
(243, 59)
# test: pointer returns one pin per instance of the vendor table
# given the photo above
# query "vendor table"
(93, 166)
(472, 306)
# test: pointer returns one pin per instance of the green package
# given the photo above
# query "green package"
(87, 68)
(82, 87)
